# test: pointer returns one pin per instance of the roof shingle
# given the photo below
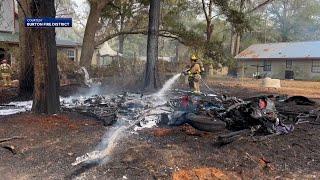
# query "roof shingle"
(293, 50)
(14, 38)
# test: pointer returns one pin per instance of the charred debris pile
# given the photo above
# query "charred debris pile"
(267, 115)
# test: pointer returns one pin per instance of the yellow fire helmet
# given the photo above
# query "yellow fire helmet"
(194, 57)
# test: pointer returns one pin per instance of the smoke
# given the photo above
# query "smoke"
(95, 89)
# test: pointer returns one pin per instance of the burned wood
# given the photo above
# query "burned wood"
(107, 119)
(100, 109)
(241, 132)
(231, 137)
(225, 141)
(11, 138)
(235, 106)
(11, 148)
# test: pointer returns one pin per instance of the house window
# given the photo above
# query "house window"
(289, 64)
(266, 65)
(106, 60)
(71, 54)
(315, 66)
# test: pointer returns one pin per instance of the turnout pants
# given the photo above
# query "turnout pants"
(6, 79)
(194, 83)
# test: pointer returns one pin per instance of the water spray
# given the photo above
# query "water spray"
(104, 150)
(167, 85)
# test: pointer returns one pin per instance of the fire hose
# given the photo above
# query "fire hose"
(185, 72)
(205, 84)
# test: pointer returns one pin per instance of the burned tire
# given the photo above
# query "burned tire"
(204, 123)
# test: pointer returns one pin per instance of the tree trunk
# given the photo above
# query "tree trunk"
(46, 96)
(238, 41)
(238, 34)
(150, 81)
(121, 43)
(209, 30)
(121, 36)
(90, 32)
(177, 52)
(235, 35)
(233, 43)
(207, 9)
(26, 76)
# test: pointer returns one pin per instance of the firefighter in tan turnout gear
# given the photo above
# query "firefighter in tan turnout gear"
(5, 70)
(194, 74)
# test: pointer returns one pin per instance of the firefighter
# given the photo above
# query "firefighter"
(5, 70)
(194, 74)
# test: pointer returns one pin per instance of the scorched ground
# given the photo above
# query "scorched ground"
(49, 145)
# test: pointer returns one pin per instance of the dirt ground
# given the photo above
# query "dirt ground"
(50, 144)
(246, 86)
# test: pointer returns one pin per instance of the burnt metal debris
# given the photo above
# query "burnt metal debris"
(206, 112)
(230, 112)
(257, 114)
(101, 108)
(125, 107)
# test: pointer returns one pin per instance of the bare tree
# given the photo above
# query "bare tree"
(207, 8)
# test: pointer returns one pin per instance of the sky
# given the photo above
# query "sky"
(81, 10)
(81, 5)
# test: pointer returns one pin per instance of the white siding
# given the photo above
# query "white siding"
(300, 67)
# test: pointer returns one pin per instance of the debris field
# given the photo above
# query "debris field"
(185, 137)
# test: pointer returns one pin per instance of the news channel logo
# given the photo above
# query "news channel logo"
(48, 22)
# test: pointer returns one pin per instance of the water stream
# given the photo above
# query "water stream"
(167, 85)
(137, 109)
(146, 119)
